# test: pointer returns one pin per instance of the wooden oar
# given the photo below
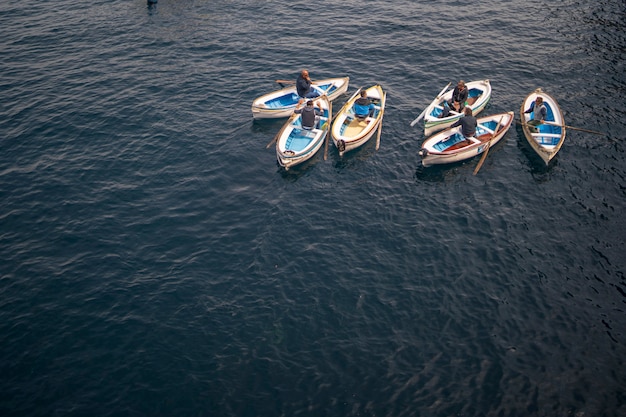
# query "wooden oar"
(486, 151)
(574, 128)
(480, 163)
(382, 113)
(418, 118)
(280, 132)
(329, 121)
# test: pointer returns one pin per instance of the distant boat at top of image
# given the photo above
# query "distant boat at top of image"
(296, 144)
(450, 146)
(547, 138)
(281, 103)
(350, 131)
(479, 93)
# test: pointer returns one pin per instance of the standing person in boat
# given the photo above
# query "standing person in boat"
(310, 115)
(303, 85)
(539, 115)
(468, 124)
(363, 106)
(459, 97)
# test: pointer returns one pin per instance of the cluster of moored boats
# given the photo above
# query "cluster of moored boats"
(443, 144)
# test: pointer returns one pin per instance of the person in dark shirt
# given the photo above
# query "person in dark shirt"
(303, 86)
(459, 97)
(309, 115)
(468, 124)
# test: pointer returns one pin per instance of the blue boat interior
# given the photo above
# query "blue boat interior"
(473, 93)
(457, 137)
(491, 124)
(328, 88)
(448, 142)
(553, 131)
(300, 138)
(290, 99)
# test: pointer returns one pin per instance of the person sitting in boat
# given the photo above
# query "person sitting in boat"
(446, 110)
(363, 106)
(539, 115)
(459, 97)
(468, 124)
(310, 115)
(303, 86)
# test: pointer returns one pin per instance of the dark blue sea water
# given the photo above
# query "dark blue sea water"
(155, 261)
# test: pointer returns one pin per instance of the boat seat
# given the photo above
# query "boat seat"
(309, 133)
(547, 138)
(550, 135)
(473, 95)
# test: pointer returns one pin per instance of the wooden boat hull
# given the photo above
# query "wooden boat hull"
(296, 145)
(478, 97)
(348, 132)
(548, 140)
(281, 103)
(450, 146)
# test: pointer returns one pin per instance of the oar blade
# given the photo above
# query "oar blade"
(418, 118)
(482, 159)
(423, 113)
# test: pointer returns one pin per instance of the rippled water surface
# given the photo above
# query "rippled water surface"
(156, 261)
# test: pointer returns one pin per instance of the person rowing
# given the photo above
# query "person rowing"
(468, 124)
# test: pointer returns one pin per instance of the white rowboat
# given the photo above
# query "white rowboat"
(549, 138)
(281, 103)
(350, 132)
(296, 144)
(479, 93)
(450, 146)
